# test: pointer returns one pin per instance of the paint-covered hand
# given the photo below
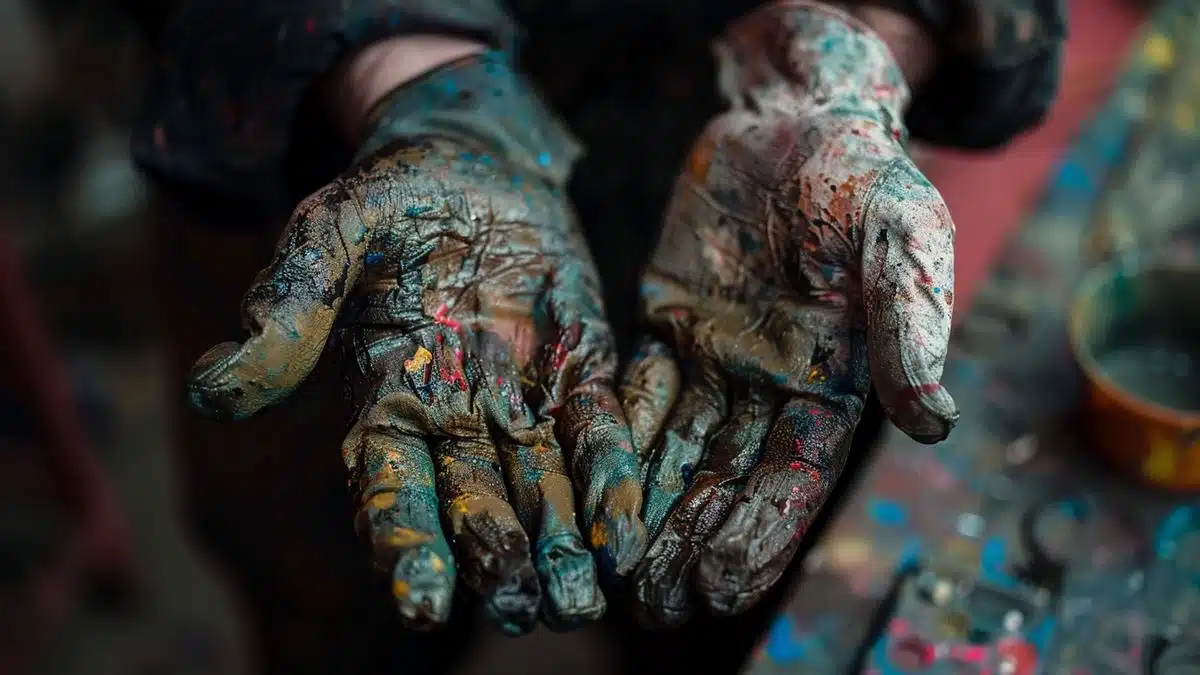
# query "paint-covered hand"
(804, 258)
(479, 361)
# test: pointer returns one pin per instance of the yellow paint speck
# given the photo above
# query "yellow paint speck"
(403, 537)
(437, 564)
(400, 589)
(383, 500)
(418, 361)
(599, 535)
(1159, 51)
(1161, 462)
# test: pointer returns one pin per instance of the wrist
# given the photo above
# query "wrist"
(363, 79)
(792, 55)
(910, 43)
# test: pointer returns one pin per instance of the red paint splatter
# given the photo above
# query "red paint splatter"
(558, 355)
(1021, 654)
(442, 318)
(454, 377)
(914, 393)
(968, 653)
(310, 25)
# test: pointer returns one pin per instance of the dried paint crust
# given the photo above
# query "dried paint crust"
(451, 270)
(804, 259)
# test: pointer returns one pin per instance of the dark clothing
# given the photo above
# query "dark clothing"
(223, 112)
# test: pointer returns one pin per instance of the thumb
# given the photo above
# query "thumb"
(289, 311)
(908, 290)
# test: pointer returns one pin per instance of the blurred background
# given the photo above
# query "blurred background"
(137, 539)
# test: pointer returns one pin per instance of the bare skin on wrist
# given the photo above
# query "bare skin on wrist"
(911, 43)
(368, 75)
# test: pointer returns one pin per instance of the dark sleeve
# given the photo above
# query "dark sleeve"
(998, 69)
(223, 109)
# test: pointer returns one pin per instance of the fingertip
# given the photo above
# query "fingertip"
(925, 412)
(661, 582)
(214, 391)
(496, 562)
(569, 581)
(652, 610)
(423, 588)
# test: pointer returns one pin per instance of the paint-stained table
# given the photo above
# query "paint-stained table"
(1009, 549)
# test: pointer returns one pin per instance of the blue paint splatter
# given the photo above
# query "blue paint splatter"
(1073, 177)
(651, 291)
(782, 645)
(887, 513)
(543, 159)
(1041, 634)
(1174, 526)
(993, 564)
(910, 555)
(374, 258)
(1075, 509)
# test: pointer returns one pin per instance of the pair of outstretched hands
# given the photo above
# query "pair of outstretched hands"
(804, 259)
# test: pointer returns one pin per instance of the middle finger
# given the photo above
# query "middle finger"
(493, 549)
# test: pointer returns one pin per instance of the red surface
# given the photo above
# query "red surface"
(989, 194)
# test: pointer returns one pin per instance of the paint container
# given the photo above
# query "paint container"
(1135, 332)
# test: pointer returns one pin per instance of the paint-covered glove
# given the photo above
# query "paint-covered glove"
(804, 259)
(481, 366)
